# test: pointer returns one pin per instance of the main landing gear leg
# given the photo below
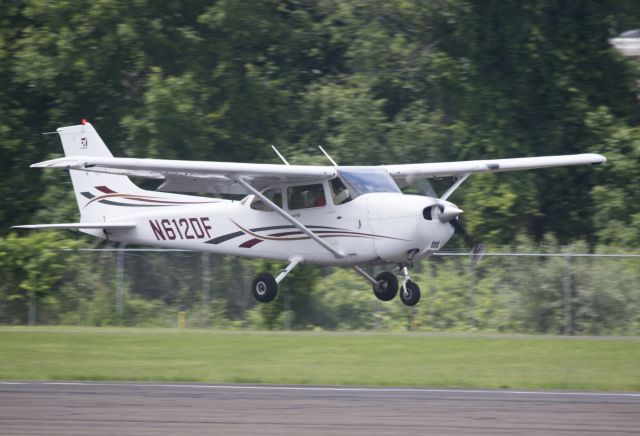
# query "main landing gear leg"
(265, 286)
(410, 293)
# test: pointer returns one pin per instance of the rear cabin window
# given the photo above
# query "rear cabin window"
(273, 194)
(306, 196)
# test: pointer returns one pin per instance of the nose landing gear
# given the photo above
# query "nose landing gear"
(410, 294)
(385, 285)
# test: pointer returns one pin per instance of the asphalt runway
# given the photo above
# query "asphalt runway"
(50, 408)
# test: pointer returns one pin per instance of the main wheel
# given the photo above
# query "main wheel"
(386, 287)
(411, 295)
(264, 288)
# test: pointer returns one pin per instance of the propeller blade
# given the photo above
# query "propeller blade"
(461, 230)
(426, 188)
(477, 249)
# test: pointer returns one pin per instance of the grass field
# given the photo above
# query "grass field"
(520, 362)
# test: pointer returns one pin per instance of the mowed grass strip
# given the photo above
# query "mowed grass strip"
(522, 362)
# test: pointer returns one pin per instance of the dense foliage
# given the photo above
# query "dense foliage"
(373, 81)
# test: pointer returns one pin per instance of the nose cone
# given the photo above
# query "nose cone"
(448, 211)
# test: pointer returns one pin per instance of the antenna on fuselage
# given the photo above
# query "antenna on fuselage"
(279, 155)
(328, 157)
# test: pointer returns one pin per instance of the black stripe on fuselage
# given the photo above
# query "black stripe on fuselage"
(223, 238)
(229, 236)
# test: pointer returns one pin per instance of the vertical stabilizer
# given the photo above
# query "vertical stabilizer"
(83, 140)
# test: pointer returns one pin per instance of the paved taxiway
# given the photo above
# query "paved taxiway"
(51, 408)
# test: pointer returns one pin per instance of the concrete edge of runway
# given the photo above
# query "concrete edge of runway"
(333, 389)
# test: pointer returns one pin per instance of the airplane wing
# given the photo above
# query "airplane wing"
(406, 174)
(195, 176)
(221, 177)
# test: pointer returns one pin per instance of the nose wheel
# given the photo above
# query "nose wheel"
(410, 294)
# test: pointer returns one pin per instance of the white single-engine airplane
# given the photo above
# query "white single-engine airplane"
(327, 215)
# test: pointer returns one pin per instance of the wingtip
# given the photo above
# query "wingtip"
(62, 162)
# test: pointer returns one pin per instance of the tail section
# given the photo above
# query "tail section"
(83, 140)
(105, 199)
(104, 196)
(97, 193)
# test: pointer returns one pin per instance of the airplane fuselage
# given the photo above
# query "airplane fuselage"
(373, 228)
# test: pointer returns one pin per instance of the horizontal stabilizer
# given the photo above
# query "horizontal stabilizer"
(102, 225)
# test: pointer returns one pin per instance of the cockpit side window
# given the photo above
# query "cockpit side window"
(273, 194)
(339, 192)
(306, 196)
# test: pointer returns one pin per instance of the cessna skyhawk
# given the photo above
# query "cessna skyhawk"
(327, 215)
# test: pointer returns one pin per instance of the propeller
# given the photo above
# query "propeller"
(450, 213)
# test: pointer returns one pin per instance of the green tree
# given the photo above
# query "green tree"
(32, 268)
(617, 200)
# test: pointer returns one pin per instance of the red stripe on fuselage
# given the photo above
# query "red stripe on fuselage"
(105, 190)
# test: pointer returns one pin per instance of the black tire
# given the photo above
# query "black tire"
(264, 288)
(412, 295)
(387, 287)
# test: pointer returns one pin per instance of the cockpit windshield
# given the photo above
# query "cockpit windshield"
(364, 182)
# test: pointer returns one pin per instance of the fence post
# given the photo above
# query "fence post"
(120, 290)
(472, 292)
(566, 282)
(286, 321)
(206, 287)
(31, 312)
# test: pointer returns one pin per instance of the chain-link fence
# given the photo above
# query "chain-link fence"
(558, 293)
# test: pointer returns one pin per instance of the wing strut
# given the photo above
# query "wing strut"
(292, 220)
(456, 185)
